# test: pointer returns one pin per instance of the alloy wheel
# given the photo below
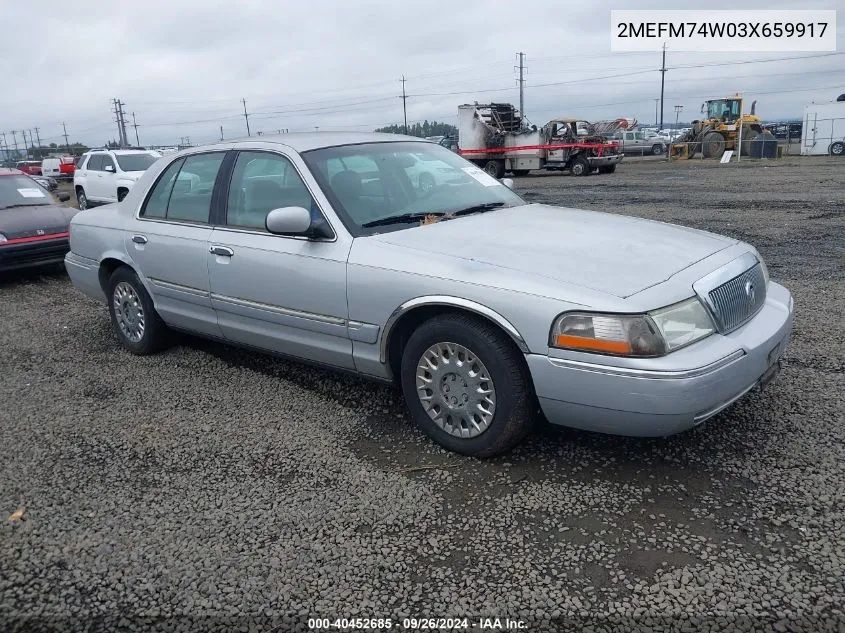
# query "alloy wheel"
(456, 390)
(128, 312)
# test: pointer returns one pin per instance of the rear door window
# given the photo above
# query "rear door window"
(107, 161)
(190, 200)
(156, 205)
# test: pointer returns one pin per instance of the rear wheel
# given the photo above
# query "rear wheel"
(81, 198)
(133, 316)
(657, 149)
(580, 166)
(837, 148)
(713, 145)
(466, 385)
(495, 168)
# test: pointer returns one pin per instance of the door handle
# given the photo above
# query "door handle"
(139, 239)
(225, 251)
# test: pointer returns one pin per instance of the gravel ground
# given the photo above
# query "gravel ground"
(208, 488)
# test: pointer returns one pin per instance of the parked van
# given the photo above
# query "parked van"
(59, 168)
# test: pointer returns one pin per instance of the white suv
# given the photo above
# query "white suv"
(104, 176)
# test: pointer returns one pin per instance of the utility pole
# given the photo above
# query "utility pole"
(404, 104)
(221, 132)
(38, 136)
(521, 68)
(15, 139)
(662, 84)
(123, 124)
(655, 112)
(678, 109)
(246, 118)
(135, 125)
(121, 129)
(67, 143)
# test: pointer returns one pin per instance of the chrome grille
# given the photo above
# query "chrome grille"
(736, 301)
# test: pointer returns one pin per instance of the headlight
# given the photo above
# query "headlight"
(616, 334)
(683, 323)
(640, 335)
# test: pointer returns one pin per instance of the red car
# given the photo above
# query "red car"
(31, 167)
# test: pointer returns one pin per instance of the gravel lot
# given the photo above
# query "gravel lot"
(208, 488)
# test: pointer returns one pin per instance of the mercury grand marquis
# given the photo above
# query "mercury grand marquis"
(399, 260)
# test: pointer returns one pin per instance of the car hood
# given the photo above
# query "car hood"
(28, 221)
(131, 175)
(609, 253)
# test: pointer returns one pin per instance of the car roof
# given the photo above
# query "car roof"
(121, 152)
(305, 141)
(10, 171)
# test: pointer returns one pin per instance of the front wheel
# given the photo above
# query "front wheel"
(837, 148)
(657, 149)
(580, 166)
(495, 168)
(133, 316)
(466, 386)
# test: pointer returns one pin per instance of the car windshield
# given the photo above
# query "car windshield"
(16, 191)
(135, 162)
(371, 183)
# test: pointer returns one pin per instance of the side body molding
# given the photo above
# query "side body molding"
(443, 300)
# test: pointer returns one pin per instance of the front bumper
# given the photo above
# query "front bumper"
(607, 159)
(41, 252)
(654, 402)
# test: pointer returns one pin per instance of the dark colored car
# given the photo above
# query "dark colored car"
(33, 228)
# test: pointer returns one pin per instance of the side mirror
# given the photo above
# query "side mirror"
(508, 182)
(109, 168)
(288, 221)
(63, 196)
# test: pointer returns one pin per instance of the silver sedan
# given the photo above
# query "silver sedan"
(484, 308)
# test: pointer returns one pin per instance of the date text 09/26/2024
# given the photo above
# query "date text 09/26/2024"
(417, 624)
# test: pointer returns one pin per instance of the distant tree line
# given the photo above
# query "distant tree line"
(424, 129)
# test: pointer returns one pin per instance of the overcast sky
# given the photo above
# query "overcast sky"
(182, 66)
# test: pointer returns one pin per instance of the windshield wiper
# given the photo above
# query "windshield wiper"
(405, 218)
(12, 206)
(478, 208)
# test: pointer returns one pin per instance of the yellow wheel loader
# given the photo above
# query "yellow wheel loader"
(719, 130)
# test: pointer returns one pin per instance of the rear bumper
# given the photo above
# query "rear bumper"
(602, 161)
(84, 273)
(652, 402)
(33, 254)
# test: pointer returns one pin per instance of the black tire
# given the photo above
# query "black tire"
(713, 145)
(155, 332)
(580, 166)
(837, 148)
(607, 169)
(121, 194)
(748, 136)
(513, 415)
(81, 199)
(657, 149)
(495, 168)
(520, 172)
